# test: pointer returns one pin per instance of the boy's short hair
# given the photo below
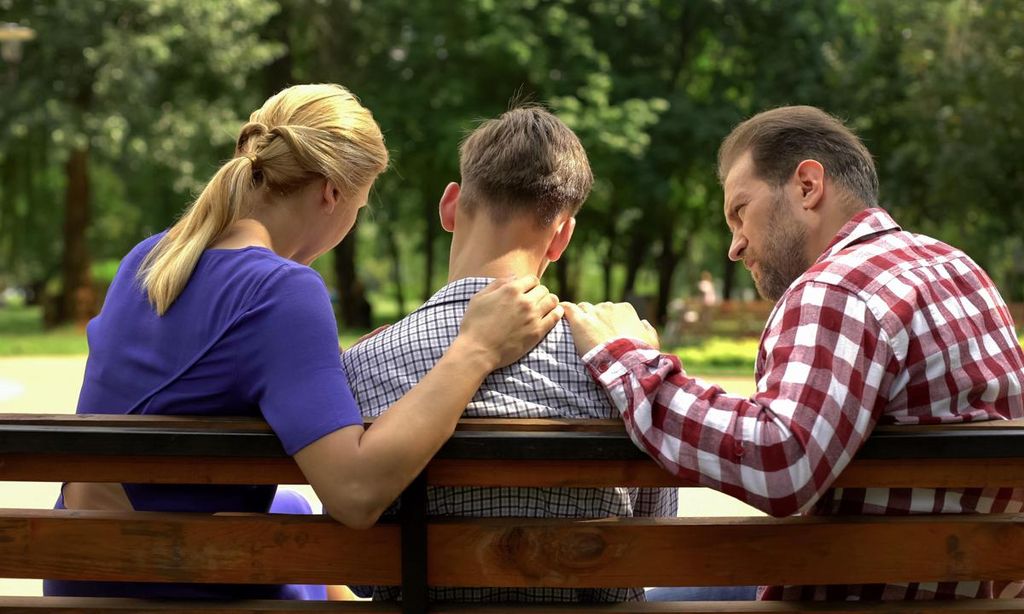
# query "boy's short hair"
(525, 162)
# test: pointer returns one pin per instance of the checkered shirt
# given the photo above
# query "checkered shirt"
(549, 382)
(886, 326)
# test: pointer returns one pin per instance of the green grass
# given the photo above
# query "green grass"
(719, 356)
(22, 334)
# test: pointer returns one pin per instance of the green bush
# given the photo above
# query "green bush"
(22, 334)
(719, 355)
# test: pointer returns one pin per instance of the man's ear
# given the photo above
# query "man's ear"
(448, 205)
(330, 197)
(810, 180)
(561, 239)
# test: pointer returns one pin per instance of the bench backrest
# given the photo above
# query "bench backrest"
(419, 551)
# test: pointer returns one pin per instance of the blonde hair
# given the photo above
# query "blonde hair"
(300, 134)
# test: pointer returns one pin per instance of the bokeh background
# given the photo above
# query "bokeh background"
(113, 113)
(116, 112)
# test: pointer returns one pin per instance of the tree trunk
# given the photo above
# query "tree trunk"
(8, 232)
(278, 74)
(728, 278)
(77, 302)
(609, 255)
(566, 288)
(606, 274)
(396, 267)
(429, 234)
(668, 261)
(634, 260)
(354, 310)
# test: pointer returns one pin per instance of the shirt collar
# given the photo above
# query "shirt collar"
(458, 291)
(866, 223)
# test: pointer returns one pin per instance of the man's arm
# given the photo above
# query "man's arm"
(827, 368)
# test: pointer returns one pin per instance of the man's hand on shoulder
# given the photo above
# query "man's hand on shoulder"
(593, 325)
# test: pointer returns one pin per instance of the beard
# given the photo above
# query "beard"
(782, 260)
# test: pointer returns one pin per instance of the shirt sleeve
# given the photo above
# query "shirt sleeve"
(825, 366)
(293, 368)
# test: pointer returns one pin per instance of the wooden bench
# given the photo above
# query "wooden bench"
(419, 551)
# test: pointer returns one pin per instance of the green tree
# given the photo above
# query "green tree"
(133, 86)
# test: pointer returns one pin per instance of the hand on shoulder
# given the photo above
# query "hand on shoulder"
(508, 318)
(593, 325)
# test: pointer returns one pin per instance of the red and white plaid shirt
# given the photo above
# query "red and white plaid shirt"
(886, 326)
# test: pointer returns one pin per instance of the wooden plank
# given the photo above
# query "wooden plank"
(100, 605)
(869, 473)
(1016, 424)
(141, 421)
(149, 469)
(602, 444)
(230, 548)
(593, 473)
(249, 548)
(87, 605)
(256, 425)
(1000, 606)
(933, 473)
(94, 605)
(723, 551)
(866, 473)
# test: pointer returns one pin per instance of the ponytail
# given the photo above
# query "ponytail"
(167, 268)
(302, 133)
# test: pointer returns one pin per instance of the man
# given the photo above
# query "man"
(872, 324)
(524, 177)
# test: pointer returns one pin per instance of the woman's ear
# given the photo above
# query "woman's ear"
(330, 197)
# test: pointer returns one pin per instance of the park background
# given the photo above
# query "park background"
(113, 114)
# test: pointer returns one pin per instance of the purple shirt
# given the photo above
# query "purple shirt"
(252, 334)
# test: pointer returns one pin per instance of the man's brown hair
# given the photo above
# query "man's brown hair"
(779, 139)
(524, 162)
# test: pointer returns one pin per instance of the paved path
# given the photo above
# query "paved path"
(50, 384)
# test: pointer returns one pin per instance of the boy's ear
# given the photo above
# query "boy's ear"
(448, 206)
(561, 239)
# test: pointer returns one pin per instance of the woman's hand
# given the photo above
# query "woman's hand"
(357, 473)
(593, 325)
(507, 319)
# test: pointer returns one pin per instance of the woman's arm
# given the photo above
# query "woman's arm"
(358, 474)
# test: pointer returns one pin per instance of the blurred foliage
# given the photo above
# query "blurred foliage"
(156, 90)
(717, 354)
(22, 334)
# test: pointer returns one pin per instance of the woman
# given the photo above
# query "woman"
(221, 315)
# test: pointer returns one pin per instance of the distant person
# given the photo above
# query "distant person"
(221, 315)
(873, 324)
(706, 287)
(524, 177)
(708, 301)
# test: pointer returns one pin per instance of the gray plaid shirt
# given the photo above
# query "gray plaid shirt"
(549, 382)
